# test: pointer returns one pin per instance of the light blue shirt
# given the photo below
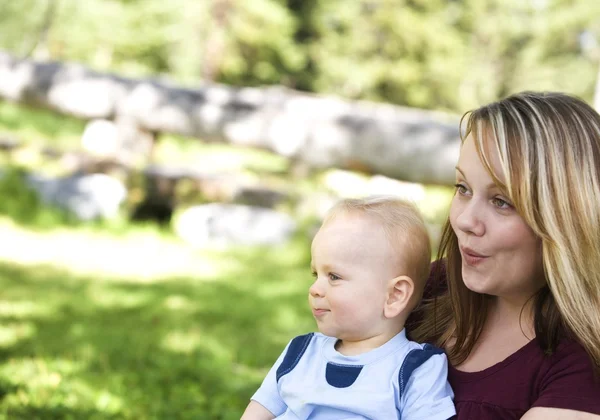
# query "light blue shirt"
(317, 382)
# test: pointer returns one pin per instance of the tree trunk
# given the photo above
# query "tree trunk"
(407, 144)
(216, 39)
(40, 48)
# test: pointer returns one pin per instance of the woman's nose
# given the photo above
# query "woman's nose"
(469, 218)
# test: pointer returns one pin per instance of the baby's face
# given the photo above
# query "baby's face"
(353, 263)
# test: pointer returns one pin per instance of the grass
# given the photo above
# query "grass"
(108, 346)
(39, 127)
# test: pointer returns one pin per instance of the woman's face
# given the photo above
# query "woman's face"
(501, 255)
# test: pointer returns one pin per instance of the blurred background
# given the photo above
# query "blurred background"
(164, 165)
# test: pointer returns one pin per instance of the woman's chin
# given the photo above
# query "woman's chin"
(476, 283)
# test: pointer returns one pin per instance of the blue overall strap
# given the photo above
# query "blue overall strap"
(294, 353)
(412, 361)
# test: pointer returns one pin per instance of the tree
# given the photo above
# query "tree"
(404, 52)
(519, 45)
(435, 54)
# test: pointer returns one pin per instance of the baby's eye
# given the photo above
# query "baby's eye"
(333, 277)
(500, 203)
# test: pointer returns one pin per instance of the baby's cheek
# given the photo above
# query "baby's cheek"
(359, 313)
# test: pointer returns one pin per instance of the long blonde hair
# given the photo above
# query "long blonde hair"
(549, 148)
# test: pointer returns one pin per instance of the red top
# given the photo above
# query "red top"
(527, 378)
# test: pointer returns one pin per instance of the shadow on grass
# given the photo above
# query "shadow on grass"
(181, 348)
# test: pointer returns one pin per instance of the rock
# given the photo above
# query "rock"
(9, 142)
(259, 196)
(315, 206)
(122, 139)
(101, 138)
(346, 183)
(223, 225)
(87, 197)
(382, 185)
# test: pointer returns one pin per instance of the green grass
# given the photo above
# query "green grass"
(191, 346)
(39, 127)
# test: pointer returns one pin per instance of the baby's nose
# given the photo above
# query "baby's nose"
(315, 289)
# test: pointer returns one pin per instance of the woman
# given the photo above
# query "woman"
(517, 303)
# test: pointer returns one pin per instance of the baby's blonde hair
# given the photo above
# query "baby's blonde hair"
(404, 227)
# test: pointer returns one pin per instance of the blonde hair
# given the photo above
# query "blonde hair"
(404, 227)
(549, 149)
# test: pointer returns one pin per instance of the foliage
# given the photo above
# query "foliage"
(436, 54)
(23, 205)
(193, 347)
(392, 52)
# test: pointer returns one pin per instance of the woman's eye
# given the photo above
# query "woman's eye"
(500, 203)
(460, 188)
(333, 277)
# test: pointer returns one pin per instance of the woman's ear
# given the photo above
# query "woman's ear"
(400, 291)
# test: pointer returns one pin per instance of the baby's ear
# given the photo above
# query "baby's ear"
(400, 291)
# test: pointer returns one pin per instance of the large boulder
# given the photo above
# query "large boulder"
(222, 225)
(87, 197)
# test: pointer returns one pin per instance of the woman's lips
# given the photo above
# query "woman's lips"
(471, 257)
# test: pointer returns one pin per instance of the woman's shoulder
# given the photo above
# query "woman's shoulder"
(569, 380)
(569, 361)
(530, 378)
(569, 346)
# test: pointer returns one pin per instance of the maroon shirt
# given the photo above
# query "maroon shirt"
(527, 378)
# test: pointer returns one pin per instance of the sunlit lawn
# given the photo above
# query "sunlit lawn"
(193, 345)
